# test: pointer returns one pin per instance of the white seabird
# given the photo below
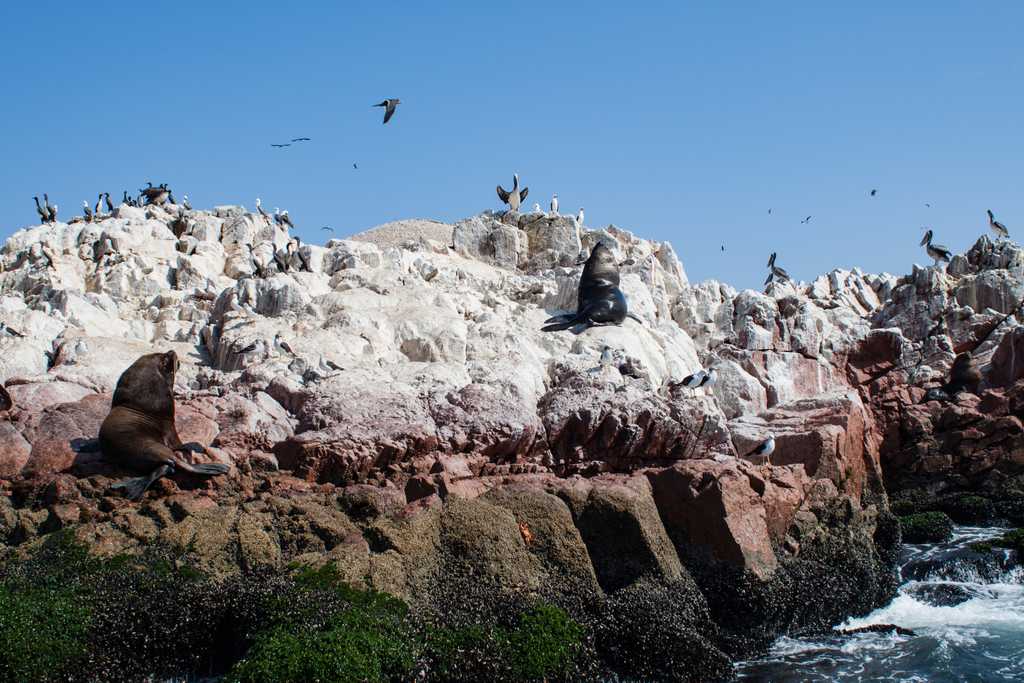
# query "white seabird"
(514, 197)
(87, 211)
(579, 218)
(185, 202)
(536, 208)
(693, 381)
(765, 449)
(938, 252)
(554, 204)
(261, 211)
(998, 228)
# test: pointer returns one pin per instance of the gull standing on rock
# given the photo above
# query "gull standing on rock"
(998, 228)
(579, 219)
(938, 252)
(765, 449)
(515, 197)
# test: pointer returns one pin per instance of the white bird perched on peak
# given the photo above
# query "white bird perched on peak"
(536, 208)
(579, 218)
(765, 449)
(260, 210)
(554, 203)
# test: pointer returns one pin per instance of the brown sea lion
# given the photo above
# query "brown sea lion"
(963, 375)
(139, 432)
(600, 301)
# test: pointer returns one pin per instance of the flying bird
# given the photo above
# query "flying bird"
(806, 220)
(355, 166)
(328, 228)
(998, 228)
(285, 144)
(301, 139)
(769, 212)
(874, 192)
(723, 247)
(389, 108)
(515, 196)
(938, 252)
(928, 205)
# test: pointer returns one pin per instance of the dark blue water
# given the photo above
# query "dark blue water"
(966, 609)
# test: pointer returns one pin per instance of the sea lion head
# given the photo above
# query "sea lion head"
(148, 384)
(601, 265)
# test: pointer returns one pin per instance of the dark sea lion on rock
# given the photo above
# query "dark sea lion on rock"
(139, 432)
(600, 301)
(963, 375)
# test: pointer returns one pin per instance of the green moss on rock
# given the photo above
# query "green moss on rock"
(926, 527)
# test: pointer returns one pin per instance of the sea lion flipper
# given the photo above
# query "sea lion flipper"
(559, 318)
(134, 488)
(566, 323)
(209, 469)
(635, 317)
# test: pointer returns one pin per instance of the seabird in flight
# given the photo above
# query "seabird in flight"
(806, 220)
(87, 210)
(301, 139)
(554, 204)
(389, 108)
(936, 251)
(515, 196)
(765, 449)
(286, 144)
(874, 192)
(328, 228)
(998, 228)
(355, 166)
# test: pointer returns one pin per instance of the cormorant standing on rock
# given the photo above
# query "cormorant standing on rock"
(110, 204)
(43, 214)
(514, 197)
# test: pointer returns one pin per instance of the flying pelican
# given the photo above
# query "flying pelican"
(936, 251)
(389, 108)
(301, 139)
(287, 144)
(515, 196)
(998, 228)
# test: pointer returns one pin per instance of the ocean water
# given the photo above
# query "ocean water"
(966, 610)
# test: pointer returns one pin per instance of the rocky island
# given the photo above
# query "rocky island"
(423, 483)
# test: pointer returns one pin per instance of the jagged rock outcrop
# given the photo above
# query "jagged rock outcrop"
(389, 405)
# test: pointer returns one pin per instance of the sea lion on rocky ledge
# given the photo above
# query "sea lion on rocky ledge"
(139, 432)
(963, 375)
(600, 301)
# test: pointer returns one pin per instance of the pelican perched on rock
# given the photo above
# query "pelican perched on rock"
(260, 210)
(87, 211)
(765, 449)
(998, 228)
(515, 197)
(554, 204)
(43, 214)
(776, 271)
(936, 251)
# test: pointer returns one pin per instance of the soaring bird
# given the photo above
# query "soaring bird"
(43, 214)
(389, 108)
(874, 192)
(87, 211)
(355, 166)
(554, 204)
(515, 196)
(936, 251)
(765, 449)
(806, 220)
(327, 228)
(301, 139)
(776, 271)
(286, 144)
(110, 204)
(998, 228)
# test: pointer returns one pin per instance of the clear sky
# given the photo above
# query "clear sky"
(678, 120)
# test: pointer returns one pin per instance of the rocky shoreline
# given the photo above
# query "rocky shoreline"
(477, 469)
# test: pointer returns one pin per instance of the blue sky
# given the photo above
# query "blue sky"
(681, 121)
